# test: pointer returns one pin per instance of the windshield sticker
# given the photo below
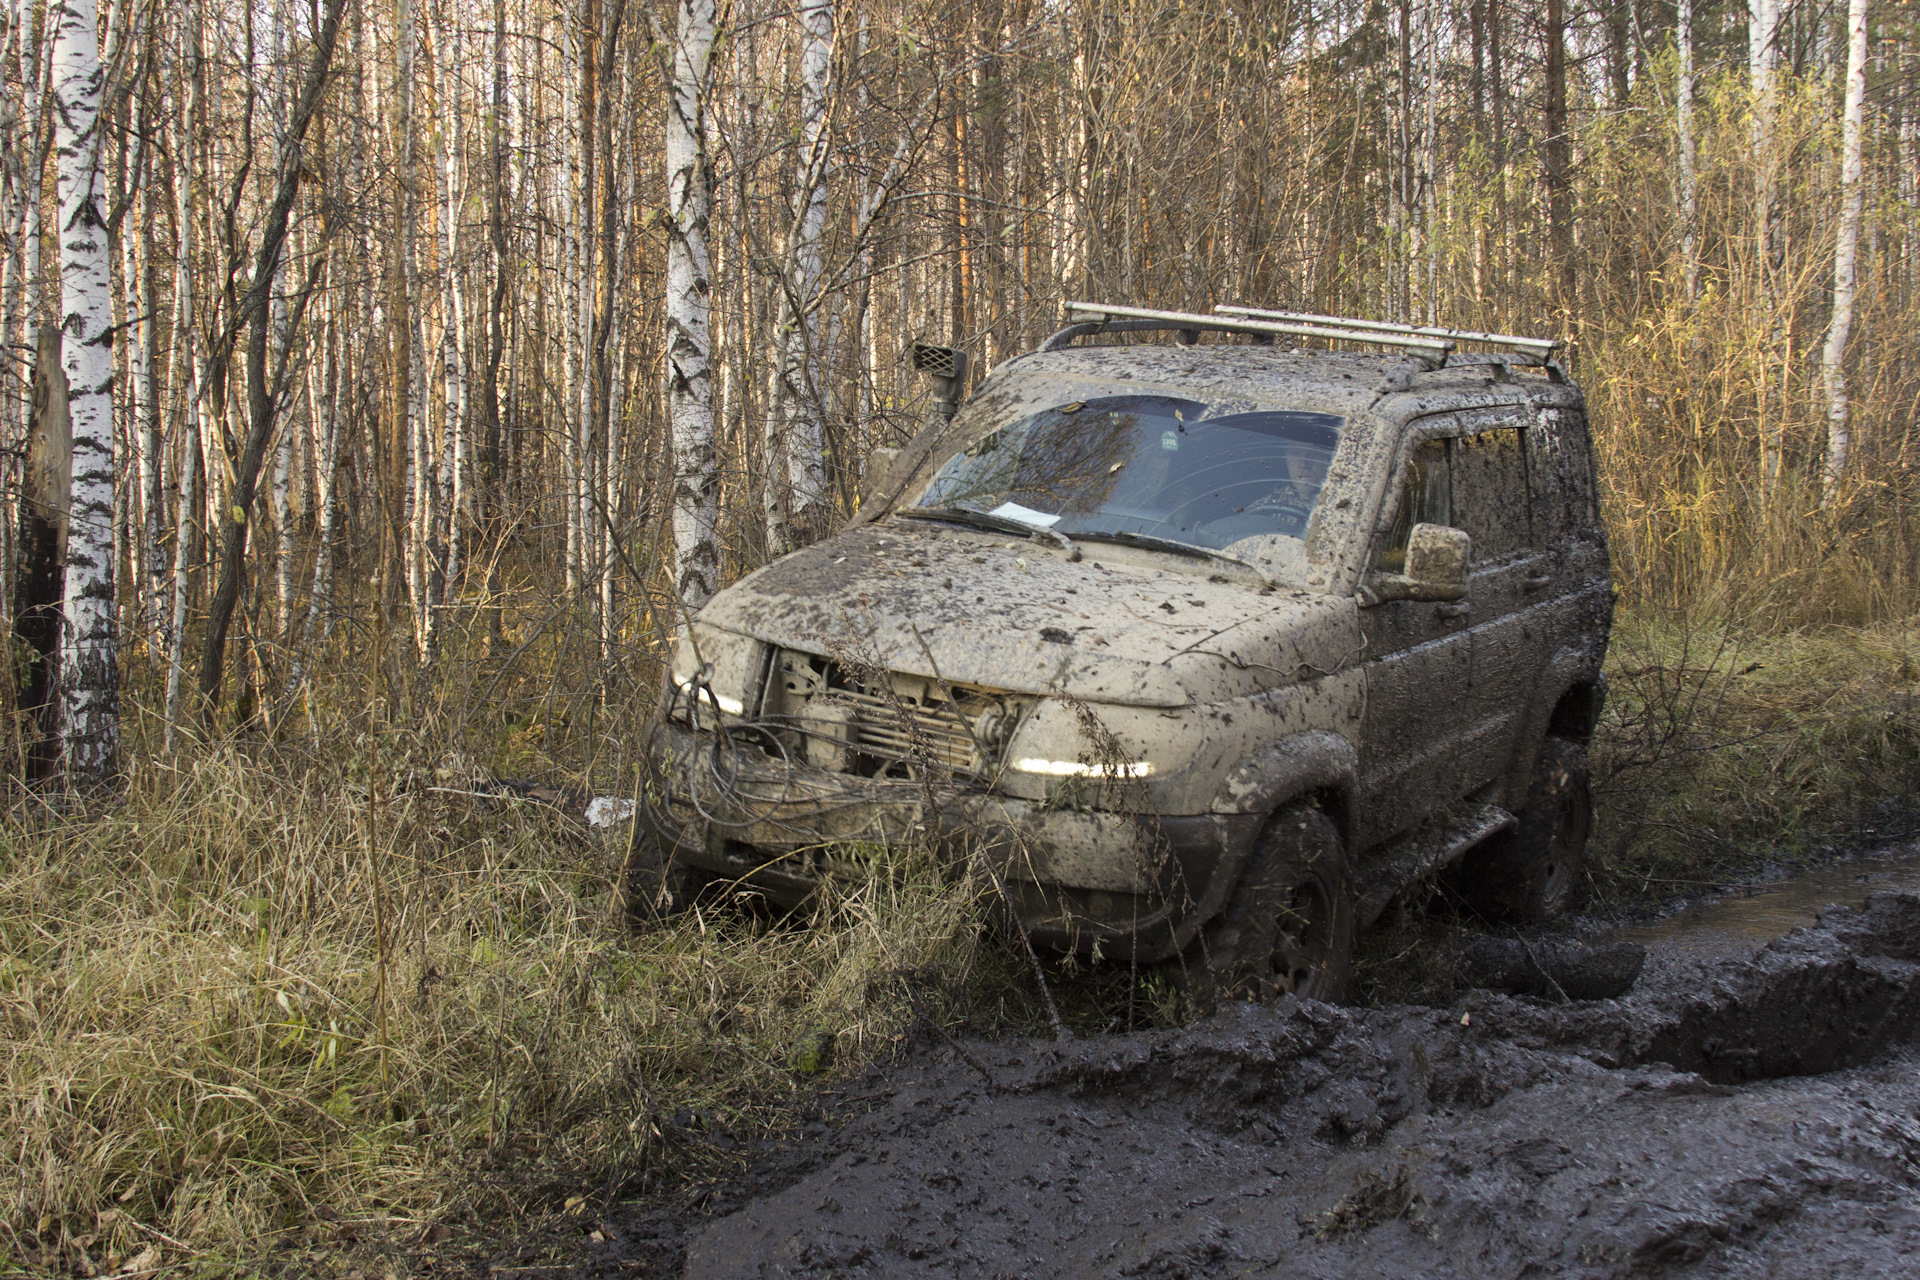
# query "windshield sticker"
(1025, 515)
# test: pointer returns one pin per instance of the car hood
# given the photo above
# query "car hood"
(1005, 613)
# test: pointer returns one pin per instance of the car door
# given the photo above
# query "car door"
(1509, 585)
(1418, 665)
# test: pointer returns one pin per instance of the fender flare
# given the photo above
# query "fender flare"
(1574, 665)
(1316, 760)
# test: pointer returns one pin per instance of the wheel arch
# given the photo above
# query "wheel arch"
(1317, 766)
(1572, 693)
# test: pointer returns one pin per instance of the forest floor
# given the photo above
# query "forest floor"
(1751, 1108)
(256, 1021)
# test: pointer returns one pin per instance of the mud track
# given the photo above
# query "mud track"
(1745, 1113)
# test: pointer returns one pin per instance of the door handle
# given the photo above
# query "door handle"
(1449, 612)
(1535, 581)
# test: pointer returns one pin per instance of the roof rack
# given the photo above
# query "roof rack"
(1093, 317)
(1530, 350)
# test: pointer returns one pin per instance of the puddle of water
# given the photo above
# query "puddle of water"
(1765, 911)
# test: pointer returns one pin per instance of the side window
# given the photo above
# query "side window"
(1561, 469)
(1490, 498)
(1426, 497)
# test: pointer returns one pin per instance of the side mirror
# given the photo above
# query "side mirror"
(1438, 558)
(874, 476)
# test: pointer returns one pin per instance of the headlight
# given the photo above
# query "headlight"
(1081, 769)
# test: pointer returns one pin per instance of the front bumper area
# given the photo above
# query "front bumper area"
(1128, 885)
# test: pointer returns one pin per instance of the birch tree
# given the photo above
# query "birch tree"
(1683, 124)
(795, 434)
(88, 670)
(1846, 246)
(1763, 63)
(696, 473)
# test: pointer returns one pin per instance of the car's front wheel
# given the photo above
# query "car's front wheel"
(1289, 925)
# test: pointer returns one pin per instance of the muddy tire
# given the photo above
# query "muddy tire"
(1289, 925)
(1539, 872)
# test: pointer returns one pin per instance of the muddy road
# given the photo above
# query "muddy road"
(1751, 1108)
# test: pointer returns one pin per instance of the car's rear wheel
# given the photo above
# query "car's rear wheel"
(1288, 928)
(1538, 871)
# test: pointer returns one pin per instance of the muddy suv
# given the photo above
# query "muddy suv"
(1201, 649)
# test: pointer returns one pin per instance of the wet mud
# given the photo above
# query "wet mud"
(1749, 1109)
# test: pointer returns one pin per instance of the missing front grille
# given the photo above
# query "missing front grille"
(887, 723)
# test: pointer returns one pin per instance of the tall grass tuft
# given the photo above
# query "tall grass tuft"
(232, 1008)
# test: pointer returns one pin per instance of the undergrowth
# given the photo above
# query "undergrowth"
(247, 1005)
(268, 997)
(1719, 747)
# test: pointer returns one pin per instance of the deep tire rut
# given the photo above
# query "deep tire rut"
(1752, 1115)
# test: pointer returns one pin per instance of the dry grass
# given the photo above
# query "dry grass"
(1718, 747)
(233, 1010)
(228, 1016)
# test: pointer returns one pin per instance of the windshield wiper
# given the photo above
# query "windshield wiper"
(987, 520)
(1148, 542)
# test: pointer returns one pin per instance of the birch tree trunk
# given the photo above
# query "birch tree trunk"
(45, 484)
(1763, 62)
(453, 319)
(571, 245)
(89, 669)
(696, 469)
(1429, 164)
(1683, 123)
(185, 358)
(796, 504)
(23, 157)
(1846, 246)
(153, 462)
(283, 450)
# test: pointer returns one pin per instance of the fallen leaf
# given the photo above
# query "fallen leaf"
(145, 1260)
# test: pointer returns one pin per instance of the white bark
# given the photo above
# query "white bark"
(613, 459)
(1689, 181)
(1763, 65)
(134, 321)
(696, 469)
(186, 360)
(23, 290)
(422, 471)
(1846, 246)
(282, 480)
(1429, 155)
(793, 411)
(89, 663)
(574, 373)
(453, 488)
(806, 459)
(320, 396)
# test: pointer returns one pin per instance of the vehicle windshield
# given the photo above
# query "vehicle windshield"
(1228, 476)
